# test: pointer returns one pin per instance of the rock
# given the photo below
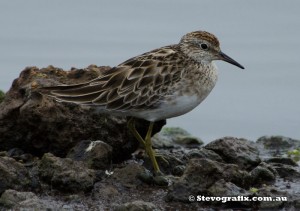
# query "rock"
(15, 153)
(2, 95)
(38, 124)
(286, 171)
(136, 206)
(13, 175)
(12, 197)
(204, 153)
(270, 167)
(161, 181)
(277, 146)
(105, 191)
(96, 154)
(276, 200)
(175, 137)
(3, 154)
(41, 204)
(65, 174)
(287, 161)
(296, 203)
(262, 175)
(128, 175)
(124, 185)
(223, 188)
(188, 141)
(178, 170)
(270, 205)
(20, 156)
(146, 177)
(167, 160)
(238, 151)
(278, 142)
(200, 174)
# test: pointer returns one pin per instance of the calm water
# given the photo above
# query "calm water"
(263, 36)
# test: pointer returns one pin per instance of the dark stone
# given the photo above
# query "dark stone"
(65, 174)
(19, 155)
(121, 185)
(286, 171)
(161, 181)
(38, 124)
(96, 154)
(238, 151)
(12, 197)
(106, 192)
(178, 170)
(3, 154)
(48, 203)
(296, 203)
(278, 146)
(262, 175)
(136, 206)
(189, 141)
(223, 189)
(204, 153)
(15, 152)
(269, 167)
(200, 174)
(13, 175)
(128, 175)
(174, 137)
(278, 142)
(275, 203)
(146, 177)
(287, 161)
(166, 160)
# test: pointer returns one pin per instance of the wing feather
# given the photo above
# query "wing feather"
(135, 83)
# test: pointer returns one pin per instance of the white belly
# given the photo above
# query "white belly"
(171, 109)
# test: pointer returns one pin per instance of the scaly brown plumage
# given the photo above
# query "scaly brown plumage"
(163, 83)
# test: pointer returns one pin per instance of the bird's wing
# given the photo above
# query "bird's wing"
(139, 81)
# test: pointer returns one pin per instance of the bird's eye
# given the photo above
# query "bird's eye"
(204, 46)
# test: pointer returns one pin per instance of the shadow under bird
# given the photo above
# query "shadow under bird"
(160, 84)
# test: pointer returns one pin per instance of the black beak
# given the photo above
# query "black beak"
(226, 58)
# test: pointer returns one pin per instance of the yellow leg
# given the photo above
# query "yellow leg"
(131, 126)
(146, 143)
(149, 150)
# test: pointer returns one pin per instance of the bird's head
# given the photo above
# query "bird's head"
(204, 47)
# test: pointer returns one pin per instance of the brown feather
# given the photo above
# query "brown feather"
(128, 85)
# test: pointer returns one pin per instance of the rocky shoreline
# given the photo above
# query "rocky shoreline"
(60, 156)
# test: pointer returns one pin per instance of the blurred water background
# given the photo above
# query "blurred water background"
(263, 99)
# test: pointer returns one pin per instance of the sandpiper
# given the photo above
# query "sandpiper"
(160, 84)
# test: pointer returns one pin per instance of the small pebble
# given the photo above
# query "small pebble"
(146, 177)
(161, 181)
(178, 170)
